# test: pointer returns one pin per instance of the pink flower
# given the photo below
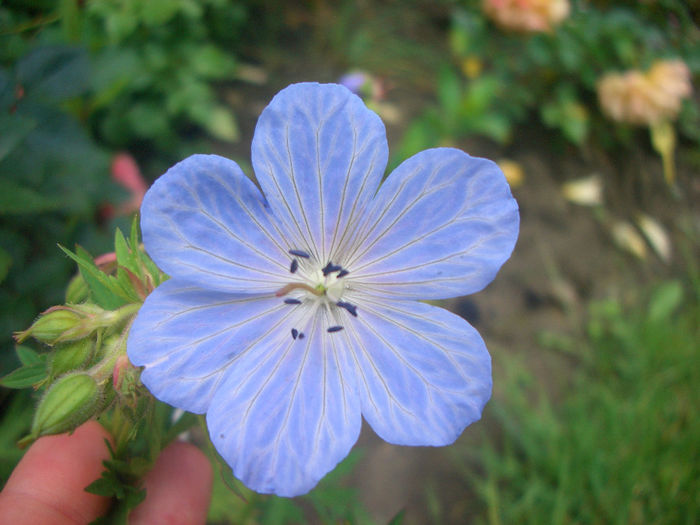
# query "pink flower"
(127, 174)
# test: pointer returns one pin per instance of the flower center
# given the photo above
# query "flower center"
(316, 284)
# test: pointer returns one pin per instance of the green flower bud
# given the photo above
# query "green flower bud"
(77, 290)
(51, 325)
(71, 356)
(60, 324)
(69, 402)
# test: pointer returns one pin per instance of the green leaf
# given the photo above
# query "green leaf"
(184, 423)
(209, 61)
(104, 486)
(398, 519)
(228, 478)
(148, 120)
(117, 481)
(134, 233)
(114, 70)
(665, 300)
(54, 73)
(222, 125)
(15, 422)
(279, 511)
(158, 12)
(29, 357)
(25, 376)
(125, 254)
(14, 129)
(17, 199)
(104, 289)
(149, 265)
(5, 264)
(71, 21)
(449, 91)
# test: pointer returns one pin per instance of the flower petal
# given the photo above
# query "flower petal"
(187, 337)
(441, 226)
(425, 373)
(205, 222)
(287, 414)
(319, 155)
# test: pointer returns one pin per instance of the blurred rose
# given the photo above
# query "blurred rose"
(526, 15)
(645, 98)
(127, 174)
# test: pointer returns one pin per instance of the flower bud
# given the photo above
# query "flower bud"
(71, 356)
(121, 366)
(69, 402)
(51, 325)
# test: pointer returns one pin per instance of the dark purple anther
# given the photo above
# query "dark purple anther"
(300, 253)
(349, 307)
(342, 273)
(293, 267)
(292, 301)
(334, 329)
(301, 335)
(295, 333)
(330, 268)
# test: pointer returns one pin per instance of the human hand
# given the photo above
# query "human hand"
(47, 486)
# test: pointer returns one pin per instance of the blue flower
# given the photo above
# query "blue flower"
(293, 312)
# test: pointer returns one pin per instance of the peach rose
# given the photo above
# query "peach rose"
(526, 15)
(641, 98)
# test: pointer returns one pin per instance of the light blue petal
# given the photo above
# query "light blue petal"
(284, 417)
(441, 225)
(319, 155)
(425, 373)
(205, 222)
(186, 338)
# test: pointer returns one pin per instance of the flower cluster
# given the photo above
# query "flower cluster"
(635, 97)
(292, 313)
(529, 16)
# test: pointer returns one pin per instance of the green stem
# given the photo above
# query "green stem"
(105, 368)
(663, 138)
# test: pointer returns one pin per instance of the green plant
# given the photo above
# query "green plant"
(52, 179)
(155, 63)
(620, 444)
(552, 75)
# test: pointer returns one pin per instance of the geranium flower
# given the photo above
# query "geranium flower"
(292, 313)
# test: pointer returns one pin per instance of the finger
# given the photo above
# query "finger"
(178, 488)
(48, 484)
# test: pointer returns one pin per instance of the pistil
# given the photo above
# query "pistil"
(298, 286)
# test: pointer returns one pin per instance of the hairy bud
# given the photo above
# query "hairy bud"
(71, 356)
(51, 326)
(69, 402)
